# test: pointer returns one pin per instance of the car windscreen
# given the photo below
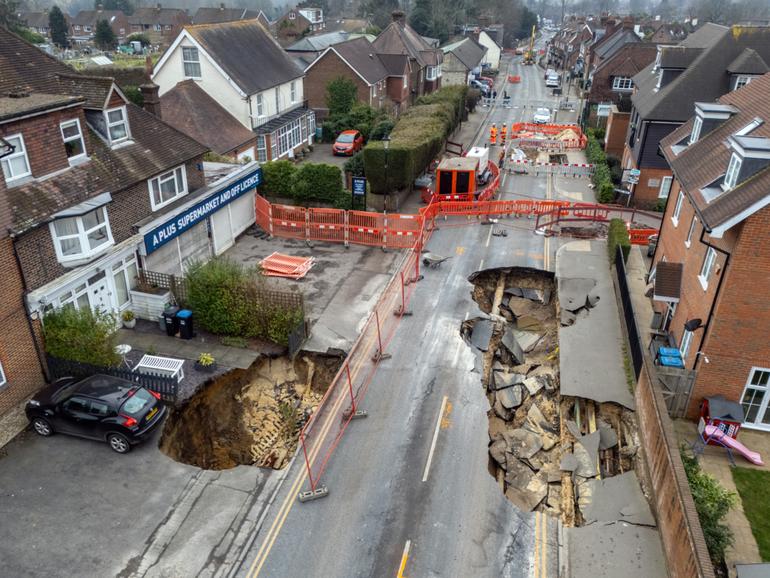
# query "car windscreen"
(137, 403)
(543, 111)
(345, 138)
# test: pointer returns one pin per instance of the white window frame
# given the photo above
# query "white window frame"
(709, 260)
(186, 60)
(622, 83)
(260, 106)
(697, 125)
(694, 222)
(82, 235)
(293, 91)
(763, 405)
(430, 73)
(124, 113)
(122, 268)
(154, 186)
(262, 148)
(406, 81)
(677, 209)
(65, 124)
(5, 161)
(665, 187)
(733, 168)
(3, 379)
(684, 347)
(741, 80)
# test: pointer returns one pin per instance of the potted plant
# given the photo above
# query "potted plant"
(206, 363)
(129, 319)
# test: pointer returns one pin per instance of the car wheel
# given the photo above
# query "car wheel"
(119, 443)
(42, 427)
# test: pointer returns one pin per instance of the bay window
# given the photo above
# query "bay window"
(77, 238)
(167, 187)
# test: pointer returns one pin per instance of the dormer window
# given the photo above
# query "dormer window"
(741, 80)
(73, 140)
(731, 176)
(117, 124)
(697, 125)
(15, 165)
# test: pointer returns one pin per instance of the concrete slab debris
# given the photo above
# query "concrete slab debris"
(568, 463)
(511, 397)
(536, 420)
(517, 474)
(482, 333)
(616, 549)
(501, 411)
(618, 498)
(513, 347)
(527, 339)
(534, 384)
(567, 318)
(503, 379)
(496, 427)
(607, 436)
(573, 293)
(523, 443)
(529, 323)
(497, 451)
(587, 454)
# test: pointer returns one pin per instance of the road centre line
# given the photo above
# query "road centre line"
(489, 236)
(404, 558)
(435, 439)
(481, 265)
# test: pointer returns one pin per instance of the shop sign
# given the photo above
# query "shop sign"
(201, 210)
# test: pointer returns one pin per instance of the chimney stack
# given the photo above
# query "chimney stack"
(628, 23)
(398, 16)
(222, 7)
(150, 91)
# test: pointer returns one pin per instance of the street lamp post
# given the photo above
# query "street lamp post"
(386, 145)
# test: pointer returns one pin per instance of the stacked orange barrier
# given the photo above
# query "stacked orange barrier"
(641, 236)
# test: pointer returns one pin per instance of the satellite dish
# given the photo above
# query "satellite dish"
(693, 324)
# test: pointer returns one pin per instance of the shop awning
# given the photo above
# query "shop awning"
(668, 282)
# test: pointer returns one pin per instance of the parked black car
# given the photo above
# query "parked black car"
(100, 407)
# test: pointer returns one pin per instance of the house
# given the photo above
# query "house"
(399, 69)
(709, 63)
(424, 62)
(217, 15)
(462, 59)
(192, 111)
(305, 51)
(159, 24)
(242, 67)
(616, 36)
(711, 270)
(298, 23)
(38, 22)
(569, 47)
(493, 49)
(100, 189)
(83, 26)
(612, 79)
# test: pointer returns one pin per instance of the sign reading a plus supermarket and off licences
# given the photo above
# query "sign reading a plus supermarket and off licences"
(196, 213)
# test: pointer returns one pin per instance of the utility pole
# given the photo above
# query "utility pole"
(563, 2)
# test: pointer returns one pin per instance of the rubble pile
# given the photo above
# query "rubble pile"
(249, 417)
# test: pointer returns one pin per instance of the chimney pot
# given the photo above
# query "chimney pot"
(397, 16)
(222, 6)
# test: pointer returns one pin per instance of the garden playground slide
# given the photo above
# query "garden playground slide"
(713, 432)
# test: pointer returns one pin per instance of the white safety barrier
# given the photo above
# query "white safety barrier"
(564, 170)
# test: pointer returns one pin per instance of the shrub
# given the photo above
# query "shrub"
(229, 299)
(134, 95)
(712, 502)
(355, 165)
(278, 178)
(602, 177)
(617, 235)
(382, 128)
(317, 182)
(138, 37)
(341, 94)
(81, 335)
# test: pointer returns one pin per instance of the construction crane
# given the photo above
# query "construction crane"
(529, 55)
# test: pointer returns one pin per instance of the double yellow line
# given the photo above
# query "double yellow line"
(288, 502)
(541, 546)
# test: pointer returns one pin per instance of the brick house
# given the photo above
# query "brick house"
(242, 67)
(83, 26)
(707, 64)
(353, 59)
(424, 61)
(99, 188)
(612, 79)
(38, 22)
(462, 59)
(715, 236)
(160, 25)
(298, 23)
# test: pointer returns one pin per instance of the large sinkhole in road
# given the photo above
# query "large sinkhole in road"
(251, 416)
(537, 437)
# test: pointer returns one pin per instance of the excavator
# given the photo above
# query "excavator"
(529, 55)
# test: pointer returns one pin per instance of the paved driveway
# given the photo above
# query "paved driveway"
(72, 507)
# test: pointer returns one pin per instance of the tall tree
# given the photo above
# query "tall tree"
(378, 11)
(9, 14)
(104, 37)
(421, 17)
(341, 95)
(58, 26)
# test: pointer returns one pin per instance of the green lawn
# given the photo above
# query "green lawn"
(753, 488)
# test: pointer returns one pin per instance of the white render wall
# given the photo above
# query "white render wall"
(492, 57)
(220, 89)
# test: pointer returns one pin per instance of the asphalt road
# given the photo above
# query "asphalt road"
(400, 503)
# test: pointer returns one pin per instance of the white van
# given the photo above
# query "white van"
(552, 81)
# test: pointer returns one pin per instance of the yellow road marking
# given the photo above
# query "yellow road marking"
(460, 250)
(404, 558)
(445, 420)
(288, 503)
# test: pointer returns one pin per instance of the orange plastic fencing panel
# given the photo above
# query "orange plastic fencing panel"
(262, 207)
(402, 230)
(366, 228)
(326, 225)
(289, 221)
(641, 236)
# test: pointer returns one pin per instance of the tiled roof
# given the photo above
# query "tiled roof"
(748, 62)
(394, 63)
(189, 109)
(615, 42)
(11, 107)
(668, 280)
(706, 160)
(206, 15)
(91, 17)
(630, 59)
(37, 19)
(163, 16)
(23, 65)
(400, 38)
(359, 53)
(318, 42)
(706, 76)
(467, 51)
(247, 53)
(95, 89)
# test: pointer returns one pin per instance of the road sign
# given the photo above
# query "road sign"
(635, 172)
(359, 186)
(631, 176)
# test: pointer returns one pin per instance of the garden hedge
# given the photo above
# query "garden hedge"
(602, 177)
(617, 235)
(416, 139)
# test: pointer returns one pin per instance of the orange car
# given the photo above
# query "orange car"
(348, 143)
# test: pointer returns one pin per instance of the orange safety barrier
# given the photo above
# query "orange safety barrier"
(263, 209)
(366, 228)
(289, 221)
(326, 225)
(402, 230)
(514, 79)
(641, 236)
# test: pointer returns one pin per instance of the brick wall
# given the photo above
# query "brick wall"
(18, 356)
(681, 533)
(326, 69)
(646, 190)
(128, 206)
(43, 139)
(615, 135)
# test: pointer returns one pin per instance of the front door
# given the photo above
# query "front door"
(99, 294)
(756, 399)
(222, 230)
